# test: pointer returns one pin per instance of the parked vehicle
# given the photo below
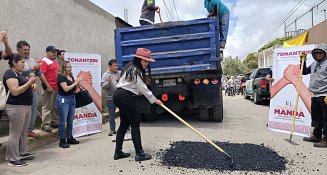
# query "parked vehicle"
(257, 86)
(187, 72)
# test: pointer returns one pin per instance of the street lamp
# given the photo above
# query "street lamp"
(324, 10)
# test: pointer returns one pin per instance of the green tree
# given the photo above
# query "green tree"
(251, 62)
(233, 66)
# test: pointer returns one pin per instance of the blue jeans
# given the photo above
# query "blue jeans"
(34, 111)
(223, 27)
(112, 112)
(66, 107)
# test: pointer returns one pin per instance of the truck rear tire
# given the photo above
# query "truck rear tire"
(204, 114)
(217, 112)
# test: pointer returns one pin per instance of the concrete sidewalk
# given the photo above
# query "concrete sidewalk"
(43, 139)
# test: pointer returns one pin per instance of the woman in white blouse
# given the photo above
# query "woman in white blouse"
(129, 87)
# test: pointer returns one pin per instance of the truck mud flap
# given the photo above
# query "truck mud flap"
(206, 96)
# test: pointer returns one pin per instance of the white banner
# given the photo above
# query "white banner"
(286, 70)
(88, 119)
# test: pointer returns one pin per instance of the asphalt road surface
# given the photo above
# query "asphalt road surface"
(244, 122)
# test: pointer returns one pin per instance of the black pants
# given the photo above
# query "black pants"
(319, 116)
(126, 101)
(143, 23)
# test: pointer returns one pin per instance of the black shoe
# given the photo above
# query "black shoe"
(321, 144)
(312, 139)
(27, 156)
(63, 143)
(73, 141)
(112, 132)
(54, 125)
(141, 156)
(121, 155)
(17, 163)
(46, 129)
(222, 45)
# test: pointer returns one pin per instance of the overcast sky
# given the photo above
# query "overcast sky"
(253, 23)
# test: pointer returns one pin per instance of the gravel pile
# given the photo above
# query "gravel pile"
(200, 155)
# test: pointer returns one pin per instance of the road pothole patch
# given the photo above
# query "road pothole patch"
(202, 156)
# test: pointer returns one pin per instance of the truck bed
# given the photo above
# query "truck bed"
(183, 46)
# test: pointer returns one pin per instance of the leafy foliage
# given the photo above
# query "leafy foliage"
(233, 66)
(274, 42)
(251, 62)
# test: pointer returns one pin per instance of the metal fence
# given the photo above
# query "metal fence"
(315, 15)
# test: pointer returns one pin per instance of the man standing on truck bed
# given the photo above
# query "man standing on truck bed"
(217, 8)
(148, 12)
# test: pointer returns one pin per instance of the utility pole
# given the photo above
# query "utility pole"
(324, 12)
(285, 29)
(296, 24)
(126, 15)
(312, 13)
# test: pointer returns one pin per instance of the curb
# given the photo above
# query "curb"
(44, 138)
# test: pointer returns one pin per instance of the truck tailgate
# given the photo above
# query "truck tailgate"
(184, 68)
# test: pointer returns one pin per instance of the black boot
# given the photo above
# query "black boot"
(120, 155)
(73, 141)
(312, 139)
(141, 156)
(63, 143)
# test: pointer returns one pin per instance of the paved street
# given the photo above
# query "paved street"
(243, 122)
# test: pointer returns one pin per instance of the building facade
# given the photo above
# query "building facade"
(265, 58)
(77, 26)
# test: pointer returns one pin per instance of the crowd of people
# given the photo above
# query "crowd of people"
(234, 85)
(58, 98)
(58, 101)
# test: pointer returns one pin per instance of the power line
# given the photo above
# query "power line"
(175, 10)
(171, 7)
(303, 3)
(289, 14)
(168, 10)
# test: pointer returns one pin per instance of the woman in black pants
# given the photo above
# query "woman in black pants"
(129, 87)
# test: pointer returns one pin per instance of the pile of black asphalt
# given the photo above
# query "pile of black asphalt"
(203, 156)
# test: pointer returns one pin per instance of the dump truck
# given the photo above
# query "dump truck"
(186, 75)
